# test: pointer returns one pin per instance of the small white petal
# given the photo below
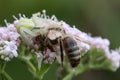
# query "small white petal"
(114, 56)
(2, 56)
(14, 52)
(7, 59)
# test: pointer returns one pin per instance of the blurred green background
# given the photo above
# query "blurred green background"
(99, 17)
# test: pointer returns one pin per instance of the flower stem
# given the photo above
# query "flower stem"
(6, 75)
(31, 66)
(3, 72)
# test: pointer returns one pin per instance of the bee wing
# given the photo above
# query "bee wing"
(81, 39)
(83, 44)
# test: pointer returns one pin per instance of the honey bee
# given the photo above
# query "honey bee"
(67, 44)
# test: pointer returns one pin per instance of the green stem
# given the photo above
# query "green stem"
(69, 76)
(31, 66)
(3, 66)
(82, 69)
(3, 72)
(38, 78)
(6, 75)
(78, 70)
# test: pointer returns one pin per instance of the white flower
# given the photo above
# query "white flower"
(8, 33)
(114, 56)
(83, 46)
(7, 59)
(3, 33)
(11, 28)
(8, 42)
(13, 35)
(8, 50)
(49, 56)
(11, 48)
(99, 43)
(12, 32)
(74, 31)
(68, 29)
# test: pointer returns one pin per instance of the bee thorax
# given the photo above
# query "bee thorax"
(52, 35)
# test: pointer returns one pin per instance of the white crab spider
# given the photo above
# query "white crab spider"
(24, 27)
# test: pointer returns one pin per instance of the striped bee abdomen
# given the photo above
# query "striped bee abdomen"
(71, 50)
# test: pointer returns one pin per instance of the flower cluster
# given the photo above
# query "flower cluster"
(84, 40)
(8, 42)
(39, 24)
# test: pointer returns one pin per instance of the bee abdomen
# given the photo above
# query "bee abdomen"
(74, 56)
(72, 51)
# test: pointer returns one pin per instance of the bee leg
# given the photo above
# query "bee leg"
(61, 50)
